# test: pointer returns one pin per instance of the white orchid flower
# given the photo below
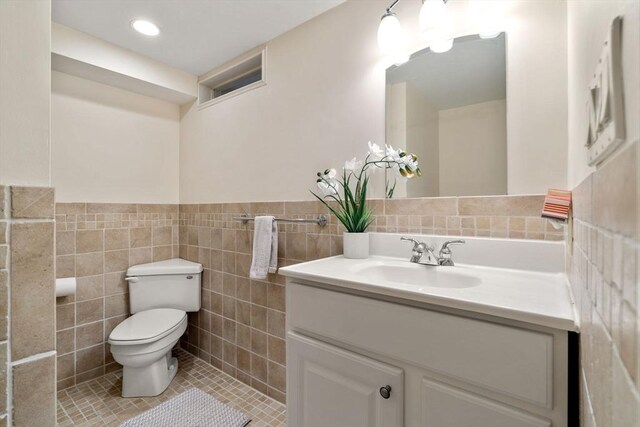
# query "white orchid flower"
(375, 151)
(408, 166)
(352, 165)
(353, 212)
(329, 174)
(410, 162)
(328, 188)
(392, 154)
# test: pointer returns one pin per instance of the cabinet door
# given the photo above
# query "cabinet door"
(331, 387)
(446, 406)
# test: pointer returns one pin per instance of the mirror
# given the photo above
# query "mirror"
(449, 109)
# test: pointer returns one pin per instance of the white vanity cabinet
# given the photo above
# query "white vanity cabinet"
(443, 368)
(335, 387)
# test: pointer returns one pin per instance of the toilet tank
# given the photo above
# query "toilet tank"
(174, 283)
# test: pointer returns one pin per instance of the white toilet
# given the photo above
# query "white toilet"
(160, 294)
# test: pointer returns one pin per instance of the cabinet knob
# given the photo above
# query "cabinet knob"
(385, 391)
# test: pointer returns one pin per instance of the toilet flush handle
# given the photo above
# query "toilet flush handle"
(131, 279)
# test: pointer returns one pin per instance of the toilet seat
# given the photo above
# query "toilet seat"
(147, 326)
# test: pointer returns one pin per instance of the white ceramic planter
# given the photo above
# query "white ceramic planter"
(356, 245)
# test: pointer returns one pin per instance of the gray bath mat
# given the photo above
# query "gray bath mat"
(192, 408)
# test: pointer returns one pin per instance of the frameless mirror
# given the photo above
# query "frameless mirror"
(449, 109)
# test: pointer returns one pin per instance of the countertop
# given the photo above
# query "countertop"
(538, 298)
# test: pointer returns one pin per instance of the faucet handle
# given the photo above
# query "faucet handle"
(444, 257)
(418, 246)
(409, 239)
(445, 250)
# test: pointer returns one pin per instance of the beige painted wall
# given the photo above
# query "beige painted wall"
(317, 110)
(111, 145)
(536, 95)
(25, 37)
(423, 141)
(473, 149)
(412, 124)
(588, 26)
(396, 126)
(324, 100)
(462, 151)
(82, 55)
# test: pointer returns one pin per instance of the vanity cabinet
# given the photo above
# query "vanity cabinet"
(444, 368)
(335, 387)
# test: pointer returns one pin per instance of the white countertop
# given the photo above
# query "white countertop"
(539, 298)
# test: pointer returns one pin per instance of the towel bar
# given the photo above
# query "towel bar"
(321, 220)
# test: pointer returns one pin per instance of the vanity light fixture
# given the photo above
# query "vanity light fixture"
(391, 39)
(441, 45)
(487, 14)
(490, 35)
(434, 24)
(145, 27)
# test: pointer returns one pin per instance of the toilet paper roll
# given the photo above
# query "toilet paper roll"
(65, 286)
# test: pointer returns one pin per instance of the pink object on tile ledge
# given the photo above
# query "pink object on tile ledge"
(557, 204)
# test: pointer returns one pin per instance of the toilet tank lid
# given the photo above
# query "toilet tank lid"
(170, 266)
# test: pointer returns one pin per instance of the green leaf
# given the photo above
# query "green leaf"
(391, 190)
(352, 211)
(340, 215)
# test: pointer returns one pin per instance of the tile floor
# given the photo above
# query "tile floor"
(98, 402)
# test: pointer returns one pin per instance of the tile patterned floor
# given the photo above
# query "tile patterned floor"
(98, 402)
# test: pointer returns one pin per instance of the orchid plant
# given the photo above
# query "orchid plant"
(346, 197)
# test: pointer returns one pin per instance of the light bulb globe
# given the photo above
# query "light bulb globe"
(441, 45)
(433, 15)
(390, 36)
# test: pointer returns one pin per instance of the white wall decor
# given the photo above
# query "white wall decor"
(605, 103)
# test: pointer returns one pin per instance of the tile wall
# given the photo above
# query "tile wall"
(27, 314)
(96, 243)
(603, 270)
(4, 300)
(241, 326)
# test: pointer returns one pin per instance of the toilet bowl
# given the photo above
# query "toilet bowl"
(142, 345)
(160, 295)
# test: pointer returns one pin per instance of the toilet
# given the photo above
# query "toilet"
(160, 295)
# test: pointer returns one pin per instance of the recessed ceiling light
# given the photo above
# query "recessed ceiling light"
(145, 27)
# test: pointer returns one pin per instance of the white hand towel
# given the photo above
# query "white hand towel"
(265, 247)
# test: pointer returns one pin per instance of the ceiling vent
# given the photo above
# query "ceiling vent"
(239, 76)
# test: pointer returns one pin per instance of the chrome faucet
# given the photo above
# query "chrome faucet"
(421, 249)
(444, 257)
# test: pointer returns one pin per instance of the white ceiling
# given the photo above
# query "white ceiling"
(196, 35)
(473, 71)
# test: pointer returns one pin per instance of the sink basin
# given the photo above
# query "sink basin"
(420, 276)
(522, 280)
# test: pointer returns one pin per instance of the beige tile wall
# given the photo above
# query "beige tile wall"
(27, 313)
(96, 243)
(240, 327)
(603, 272)
(4, 309)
